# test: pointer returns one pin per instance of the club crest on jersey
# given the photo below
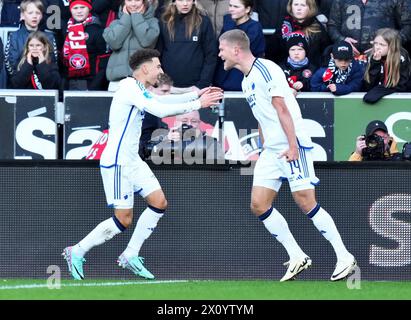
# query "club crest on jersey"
(147, 95)
(77, 61)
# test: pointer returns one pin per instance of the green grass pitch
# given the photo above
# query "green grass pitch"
(29, 289)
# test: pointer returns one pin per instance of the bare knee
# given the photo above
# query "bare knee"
(125, 216)
(305, 200)
(161, 204)
(258, 209)
(157, 199)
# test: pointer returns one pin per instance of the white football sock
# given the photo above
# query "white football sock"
(144, 228)
(325, 224)
(100, 234)
(278, 227)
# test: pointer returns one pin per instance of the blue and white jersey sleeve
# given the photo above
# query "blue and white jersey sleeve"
(177, 98)
(147, 102)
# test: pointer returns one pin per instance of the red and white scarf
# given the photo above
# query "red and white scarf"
(75, 53)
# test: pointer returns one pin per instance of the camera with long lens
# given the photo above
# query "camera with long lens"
(189, 142)
(374, 149)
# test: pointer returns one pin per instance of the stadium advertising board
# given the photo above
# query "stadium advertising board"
(241, 128)
(32, 129)
(352, 116)
(208, 231)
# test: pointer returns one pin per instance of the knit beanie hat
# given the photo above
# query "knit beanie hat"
(296, 39)
(86, 3)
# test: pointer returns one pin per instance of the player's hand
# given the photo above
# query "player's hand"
(208, 89)
(174, 134)
(332, 87)
(290, 154)
(211, 98)
(360, 144)
(298, 85)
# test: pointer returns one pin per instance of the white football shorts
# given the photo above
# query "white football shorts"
(122, 182)
(270, 171)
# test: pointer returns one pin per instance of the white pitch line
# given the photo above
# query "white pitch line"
(89, 284)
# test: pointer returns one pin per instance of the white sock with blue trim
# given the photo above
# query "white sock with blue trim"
(144, 228)
(325, 224)
(105, 231)
(275, 223)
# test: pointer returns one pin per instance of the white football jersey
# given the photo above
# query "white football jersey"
(264, 81)
(130, 102)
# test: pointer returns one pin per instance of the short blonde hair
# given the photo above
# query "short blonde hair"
(25, 3)
(237, 37)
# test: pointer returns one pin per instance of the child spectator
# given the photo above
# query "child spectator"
(83, 48)
(31, 15)
(36, 69)
(343, 74)
(297, 68)
(136, 28)
(239, 18)
(388, 68)
(302, 17)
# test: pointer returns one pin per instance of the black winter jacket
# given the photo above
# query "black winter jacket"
(376, 88)
(376, 14)
(189, 62)
(48, 75)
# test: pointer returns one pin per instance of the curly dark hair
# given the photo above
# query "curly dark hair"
(141, 56)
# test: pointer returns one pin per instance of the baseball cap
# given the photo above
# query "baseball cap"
(342, 51)
(375, 125)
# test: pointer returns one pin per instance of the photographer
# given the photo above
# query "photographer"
(186, 141)
(376, 144)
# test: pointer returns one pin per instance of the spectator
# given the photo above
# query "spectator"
(239, 18)
(84, 45)
(297, 68)
(136, 28)
(151, 123)
(106, 10)
(187, 44)
(302, 18)
(31, 15)
(388, 68)
(36, 69)
(188, 140)
(356, 21)
(343, 74)
(216, 9)
(375, 144)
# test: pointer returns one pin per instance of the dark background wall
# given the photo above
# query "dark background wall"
(208, 231)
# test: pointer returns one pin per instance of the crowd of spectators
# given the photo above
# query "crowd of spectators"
(337, 46)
